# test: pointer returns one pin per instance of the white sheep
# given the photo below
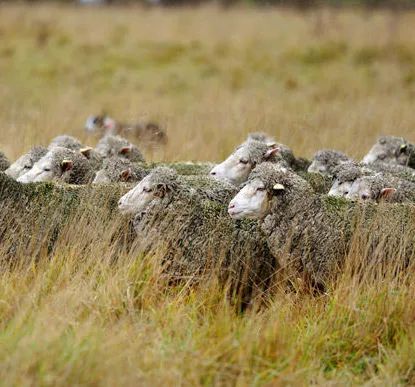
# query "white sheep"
(25, 163)
(237, 167)
(392, 150)
(304, 230)
(326, 160)
(60, 164)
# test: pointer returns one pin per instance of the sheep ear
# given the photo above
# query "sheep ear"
(66, 165)
(125, 175)
(386, 193)
(272, 150)
(125, 150)
(86, 151)
(278, 188)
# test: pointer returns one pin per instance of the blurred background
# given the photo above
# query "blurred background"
(313, 74)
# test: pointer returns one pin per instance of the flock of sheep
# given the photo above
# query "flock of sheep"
(260, 180)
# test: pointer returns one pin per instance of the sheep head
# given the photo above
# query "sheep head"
(325, 161)
(391, 150)
(160, 183)
(54, 164)
(269, 185)
(371, 188)
(237, 167)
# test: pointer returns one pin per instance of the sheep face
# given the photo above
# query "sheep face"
(251, 202)
(340, 188)
(139, 197)
(46, 169)
(237, 167)
(360, 190)
(391, 150)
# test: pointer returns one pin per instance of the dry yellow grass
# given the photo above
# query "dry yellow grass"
(78, 317)
(210, 76)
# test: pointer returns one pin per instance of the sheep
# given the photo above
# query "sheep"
(164, 180)
(60, 164)
(4, 162)
(25, 163)
(392, 150)
(65, 141)
(111, 145)
(347, 173)
(381, 187)
(344, 176)
(237, 167)
(184, 220)
(307, 232)
(325, 161)
(148, 132)
(117, 169)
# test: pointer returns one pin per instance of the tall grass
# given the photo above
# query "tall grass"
(90, 312)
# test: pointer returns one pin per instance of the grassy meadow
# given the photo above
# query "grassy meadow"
(327, 78)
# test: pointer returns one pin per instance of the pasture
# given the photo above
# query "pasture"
(93, 313)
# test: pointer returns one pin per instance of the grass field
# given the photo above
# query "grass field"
(333, 78)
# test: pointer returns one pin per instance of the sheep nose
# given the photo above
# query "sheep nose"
(213, 173)
(231, 205)
(120, 203)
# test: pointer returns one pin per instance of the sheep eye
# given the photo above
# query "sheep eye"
(243, 161)
(382, 157)
(365, 197)
(95, 120)
(46, 169)
(146, 189)
(260, 189)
